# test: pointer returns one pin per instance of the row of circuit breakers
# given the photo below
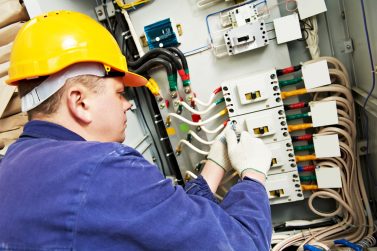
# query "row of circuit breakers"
(255, 103)
(240, 29)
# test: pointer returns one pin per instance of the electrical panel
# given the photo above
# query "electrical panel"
(254, 103)
(299, 105)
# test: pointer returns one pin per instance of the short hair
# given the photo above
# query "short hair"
(51, 105)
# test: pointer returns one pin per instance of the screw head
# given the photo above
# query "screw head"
(187, 89)
(173, 94)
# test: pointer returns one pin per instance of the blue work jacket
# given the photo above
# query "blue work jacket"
(60, 192)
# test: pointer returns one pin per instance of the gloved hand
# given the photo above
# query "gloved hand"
(248, 153)
(219, 151)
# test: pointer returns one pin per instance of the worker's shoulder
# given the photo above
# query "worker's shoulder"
(105, 149)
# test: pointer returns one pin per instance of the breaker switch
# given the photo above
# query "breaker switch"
(252, 95)
(243, 39)
(274, 161)
(261, 130)
(277, 193)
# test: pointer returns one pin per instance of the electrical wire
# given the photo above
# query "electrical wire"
(211, 98)
(313, 39)
(189, 108)
(283, 83)
(194, 148)
(308, 168)
(197, 50)
(209, 108)
(370, 92)
(352, 201)
(199, 139)
(216, 130)
(206, 3)
(294, 106)
(133, 5)
(298, 116)
(152, 54)
(288, 70)
(199, 123)
(298, 127)
(168, 67)
(305, 137)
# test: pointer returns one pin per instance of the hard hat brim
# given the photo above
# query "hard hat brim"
(134, 80)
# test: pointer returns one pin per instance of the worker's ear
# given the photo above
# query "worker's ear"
(78, 104)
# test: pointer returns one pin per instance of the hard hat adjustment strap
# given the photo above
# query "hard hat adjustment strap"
(56, 81)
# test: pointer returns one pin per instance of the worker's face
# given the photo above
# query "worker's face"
(109, 111)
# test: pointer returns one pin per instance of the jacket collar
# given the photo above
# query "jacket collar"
(44, 129)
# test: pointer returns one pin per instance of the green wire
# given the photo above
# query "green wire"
(303, 148)
(293, 81)
(173, 86)
(298, 116)
(308, 178)
(186, 82)
(219, 101)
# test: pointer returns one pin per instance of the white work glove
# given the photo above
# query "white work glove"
(249, 153)
(219, 152)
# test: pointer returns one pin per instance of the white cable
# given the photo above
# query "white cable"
(208, 103)
(206, 3)
(216, 130)
(188, 107)
(199, 123)
(295, 223)
(191, 174)
(313, 39)
(196, 136)
(182, 141)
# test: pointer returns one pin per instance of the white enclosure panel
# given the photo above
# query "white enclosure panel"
(206, 70)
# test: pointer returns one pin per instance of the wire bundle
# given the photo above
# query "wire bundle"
(353, 208)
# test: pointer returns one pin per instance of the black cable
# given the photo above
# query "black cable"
(154, 62)
(180, 55)
(282, 227)
(153, 53)
(174, 69)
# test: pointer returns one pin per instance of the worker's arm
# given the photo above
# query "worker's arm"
(129, 202)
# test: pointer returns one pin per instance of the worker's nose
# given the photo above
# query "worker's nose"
(126, 105)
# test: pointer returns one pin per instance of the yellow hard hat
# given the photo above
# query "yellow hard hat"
(49, 43)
